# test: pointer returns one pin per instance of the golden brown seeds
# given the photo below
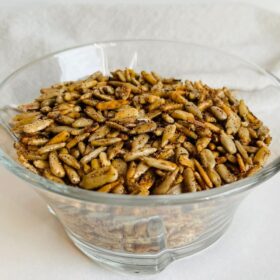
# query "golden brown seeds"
(139, 153)
(185, 161)
(139, 142)
(233, 123)
(261, 156)
(105, 141)
(193, 109)
(225, 174)
(36, 126)
(203, 174)
(168, 133)
(149, 77)
(212, 127)
(72, 175)
(243, 152)
(114, 150)
(111, 105)
(207, 159)
(101, 132)
(202, 143)
(219, 113)
(126, 113)
(72, 143)
(189, 180)
(50, 148)
(60, 137)
(177, 189)
(182, 115)
(244, 135)
(167, 182)
(92, 113)
(117, 126)
(69, 160)
(240, 163)
(228, 143)
(214, 177)
(95, 153)
(35, 141)
(160, 163)
(107, 188)
(103, 159)
(41, 164)
(243, 110)
(51, 177)
(144, 128)
(82, 122)
(167, 118)
(141, 169)
(120, 165)
(99, 177)
(55, 165)
(173, 133)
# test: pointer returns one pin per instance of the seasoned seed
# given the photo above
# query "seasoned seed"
(60, 137)
(214, 177)
(261, 156)
(104, 160)
(108, 187)
(233, 123)
(105, 141)
(139, 153)
(189, 180)
(182, 115)
(120, 165)
(72, 175)
(144, 128)
(55, 165)
(228, 143)
(72, 143)
(140, 170)
(52, 177)
(168, 133)
(225, 174)
(160, 163)
(69, 160)
(166, 184)
(111, 105)
(50, 148)
(243, 152)
(41, 164)
(95, 153)
(244, 135)
(219, 113)
(207, 159)
(101, 132)
(202, 143)
(203, 174)
(92, 113)
(82, 122)
(36, 126)
(117, 126)
(99, 178)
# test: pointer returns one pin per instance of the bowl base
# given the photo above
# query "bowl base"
(143, 264)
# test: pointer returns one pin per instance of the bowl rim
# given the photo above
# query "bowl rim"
(119, 199)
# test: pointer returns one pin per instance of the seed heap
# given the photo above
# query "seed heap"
(140, 134)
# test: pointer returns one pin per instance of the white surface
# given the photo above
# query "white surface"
(33, 245)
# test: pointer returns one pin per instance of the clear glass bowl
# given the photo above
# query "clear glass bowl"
(143, 234)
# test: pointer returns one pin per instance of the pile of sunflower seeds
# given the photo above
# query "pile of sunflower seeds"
(140, 134)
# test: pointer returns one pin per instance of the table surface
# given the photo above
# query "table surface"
(34, 245)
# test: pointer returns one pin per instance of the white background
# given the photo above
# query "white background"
(34, 246)
(272, 5)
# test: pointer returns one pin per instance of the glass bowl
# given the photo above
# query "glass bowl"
(143, 234)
